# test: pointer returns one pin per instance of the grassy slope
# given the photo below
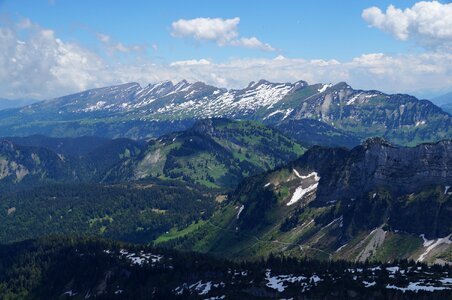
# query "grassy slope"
(217, 158)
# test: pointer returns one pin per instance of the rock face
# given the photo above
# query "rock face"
(344, 115)
(376, 164)
(19, 163)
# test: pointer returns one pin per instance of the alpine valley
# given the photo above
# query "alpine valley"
(277, 190)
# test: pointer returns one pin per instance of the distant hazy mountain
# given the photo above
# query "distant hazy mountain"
(444, 101)
(130, 110)
(6, 103)
(66, 146)
(447, 108)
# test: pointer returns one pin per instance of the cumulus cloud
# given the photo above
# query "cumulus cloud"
(223, 32)
(428, 23)
(41, 63)
(38, 64)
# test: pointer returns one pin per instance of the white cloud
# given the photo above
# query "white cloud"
(24, 24)
(223, 32)
(191, 62)
(104, 38)
(37, 64)
(252, 42)
(41, 64)
(114, 47)
(428, 23)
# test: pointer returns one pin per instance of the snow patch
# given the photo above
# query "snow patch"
(446, 281)
(99, 105)
(201, 288)
(444, 240)
(216, 297)
(315, 279)
(274, 113)
(418, 123)
(416, 286)
(277, 282)
(426, 242)
(393, 270)
(140, 258)
(353, 99)
(316, 176)
(369, 284)
(324, 88)
(341, 247)
(300, 192)
(70, 293)
(288, 112)
(240, 211)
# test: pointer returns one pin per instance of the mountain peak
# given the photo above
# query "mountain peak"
(342, 85)
(300, 83)
(181, 85)
(263, 81)
(359, 112)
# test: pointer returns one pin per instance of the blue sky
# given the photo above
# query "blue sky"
(106, 42)
(312, 29)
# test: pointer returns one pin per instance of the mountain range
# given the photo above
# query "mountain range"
(344, 115)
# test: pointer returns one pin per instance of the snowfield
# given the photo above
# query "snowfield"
(301, 191)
